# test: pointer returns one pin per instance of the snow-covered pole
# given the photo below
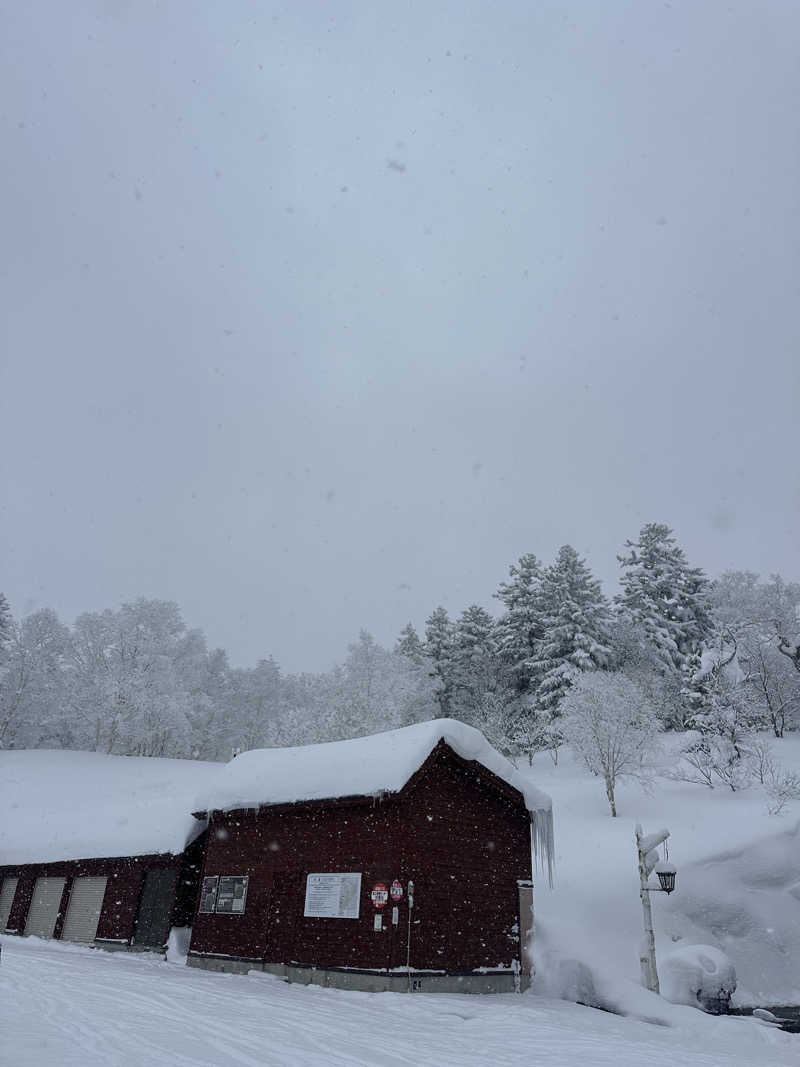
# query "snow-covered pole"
(648, 858)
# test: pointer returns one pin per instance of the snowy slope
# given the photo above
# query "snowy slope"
(120, 1010)
(738, 884)
(79, 805)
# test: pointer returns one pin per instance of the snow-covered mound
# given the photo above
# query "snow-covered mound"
(697, 975)
(60, 805)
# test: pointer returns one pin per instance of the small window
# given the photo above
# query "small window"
(208, 895)
(232, 894)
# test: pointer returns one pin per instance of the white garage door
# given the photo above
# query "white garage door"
(6, 900)
(43, 911)
(83, 910)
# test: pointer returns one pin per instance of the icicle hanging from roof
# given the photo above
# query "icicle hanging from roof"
(543, 841)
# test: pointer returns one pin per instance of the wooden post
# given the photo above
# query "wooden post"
(647, 954)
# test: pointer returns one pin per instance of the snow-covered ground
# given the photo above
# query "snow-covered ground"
(737, 888)
(66, 1005)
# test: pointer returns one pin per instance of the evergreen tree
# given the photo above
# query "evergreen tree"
(724, 717)
(575, 628)
(695, 692)
(520, 628)
(474, 660)
(439, 650)
(255, 701)
(663, 596)
(639, 662)
(5, 625)
(409, 644)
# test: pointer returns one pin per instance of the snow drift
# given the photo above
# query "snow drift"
(698, 975)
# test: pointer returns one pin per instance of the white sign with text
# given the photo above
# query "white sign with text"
(333, 896)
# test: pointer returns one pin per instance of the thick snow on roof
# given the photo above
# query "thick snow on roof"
(364, 766)
(83, 805)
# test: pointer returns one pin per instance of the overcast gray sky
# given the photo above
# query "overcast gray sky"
(316, 315)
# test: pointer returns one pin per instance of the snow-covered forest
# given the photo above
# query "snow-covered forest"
(673, 650)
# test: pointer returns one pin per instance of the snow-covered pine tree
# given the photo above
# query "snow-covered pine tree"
(210, 707)
(409, 644)
(726, 716)
(520, 628)
(474, 659)
(694, 687)
(415, 682)
(5, 624)
(439, 650)
(663, 596)
(255, 705)
(575, 629)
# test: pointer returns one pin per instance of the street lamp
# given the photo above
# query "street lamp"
(666, 876)
(649, 861)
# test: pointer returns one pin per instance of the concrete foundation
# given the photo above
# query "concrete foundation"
(111, 946)
(124, 946)
(370, 981)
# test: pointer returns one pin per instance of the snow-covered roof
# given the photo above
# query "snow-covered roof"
(57, 805)
(363, 766)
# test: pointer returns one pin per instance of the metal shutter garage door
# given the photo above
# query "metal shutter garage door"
(6, 900)
(43, 911)
(83, 910)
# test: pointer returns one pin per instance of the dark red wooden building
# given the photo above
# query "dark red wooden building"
(398, 861)
(99, 849)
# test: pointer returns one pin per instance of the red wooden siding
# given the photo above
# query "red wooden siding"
(123, 891)
(460, 834)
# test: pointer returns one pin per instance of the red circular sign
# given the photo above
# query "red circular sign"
(396, 890)
(379, 895)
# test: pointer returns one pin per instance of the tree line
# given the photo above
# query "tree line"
(720, 658)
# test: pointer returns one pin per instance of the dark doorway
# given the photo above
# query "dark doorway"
(155, 909)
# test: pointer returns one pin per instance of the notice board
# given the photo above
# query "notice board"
(333, 896)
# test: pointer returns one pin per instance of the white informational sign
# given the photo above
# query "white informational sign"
(333, 896)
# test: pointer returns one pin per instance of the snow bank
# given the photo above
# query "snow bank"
(746, 901)
(697, 975)
(60, 805)
(365, 766)
(178, 944)
(737, 887)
